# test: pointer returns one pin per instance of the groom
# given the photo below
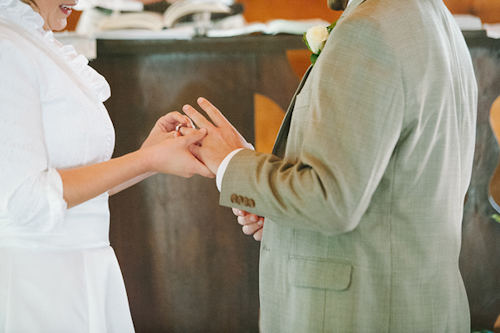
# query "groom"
(363, 194)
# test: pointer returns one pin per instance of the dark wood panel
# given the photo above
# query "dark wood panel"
(249, 44)
(186, 264)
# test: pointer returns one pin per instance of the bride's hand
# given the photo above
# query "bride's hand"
(166, 127)
(172, 155)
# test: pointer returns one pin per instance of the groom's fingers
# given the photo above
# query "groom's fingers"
(248, 219)
(189, 122)
(258, 235)
(198, 119)
(239, 212)
(214, 113)
(251, 229)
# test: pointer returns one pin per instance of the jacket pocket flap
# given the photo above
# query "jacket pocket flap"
(319, 273)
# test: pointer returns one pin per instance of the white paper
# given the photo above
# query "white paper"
(492, 30)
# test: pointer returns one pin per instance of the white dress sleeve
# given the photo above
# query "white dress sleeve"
(31, 193)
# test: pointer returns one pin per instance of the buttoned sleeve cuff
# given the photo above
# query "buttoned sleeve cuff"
(223, 166)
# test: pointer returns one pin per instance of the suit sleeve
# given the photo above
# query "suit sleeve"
(353, 110)
(31, 194)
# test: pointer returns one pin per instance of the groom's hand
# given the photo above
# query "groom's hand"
(251, 224)
(222, 138)
(172, 155)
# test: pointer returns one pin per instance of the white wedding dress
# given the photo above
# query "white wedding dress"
(57, 270)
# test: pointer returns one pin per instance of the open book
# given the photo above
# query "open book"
(158, 21)
(273, 27)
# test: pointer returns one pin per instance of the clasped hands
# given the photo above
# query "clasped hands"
(201, 151)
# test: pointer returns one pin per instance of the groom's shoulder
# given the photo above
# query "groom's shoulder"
(382, 16)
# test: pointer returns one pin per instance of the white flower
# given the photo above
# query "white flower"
(316, 37)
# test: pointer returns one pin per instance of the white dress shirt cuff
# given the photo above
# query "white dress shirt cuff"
(223, 166)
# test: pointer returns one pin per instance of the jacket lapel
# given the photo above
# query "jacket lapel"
(280, 143)
(350, 7)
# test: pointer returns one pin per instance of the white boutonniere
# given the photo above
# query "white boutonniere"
(315, 39)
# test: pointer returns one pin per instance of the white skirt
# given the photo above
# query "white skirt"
(62, 291)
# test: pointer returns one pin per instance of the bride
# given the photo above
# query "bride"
(58, 271)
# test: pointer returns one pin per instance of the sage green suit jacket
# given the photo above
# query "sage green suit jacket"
(363, 196)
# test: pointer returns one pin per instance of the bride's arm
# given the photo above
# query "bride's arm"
(130, 183)
(84, 183)
(163, 151)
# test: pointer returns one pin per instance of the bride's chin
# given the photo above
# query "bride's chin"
(58, 26)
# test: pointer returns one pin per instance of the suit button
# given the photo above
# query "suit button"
(239, 200)
(251, 203)
(245, 201)
(234, 198)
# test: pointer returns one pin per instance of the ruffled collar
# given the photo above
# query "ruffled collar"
(24, 16)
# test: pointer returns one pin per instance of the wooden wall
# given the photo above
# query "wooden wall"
(258, 10)
(261, 10)
(487, 10)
